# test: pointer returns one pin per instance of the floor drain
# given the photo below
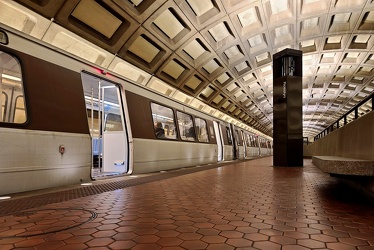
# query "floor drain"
(39, 222)
(24, 214)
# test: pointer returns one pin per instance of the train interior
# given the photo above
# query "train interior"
(106, 121)
(163, 119)
(11, 88)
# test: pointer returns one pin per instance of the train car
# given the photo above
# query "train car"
(64, 121)
(239, 144)
(251, 145)
(44, 134)
(265, 146)
(167, 135)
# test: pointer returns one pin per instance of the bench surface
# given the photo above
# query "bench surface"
(344, 166)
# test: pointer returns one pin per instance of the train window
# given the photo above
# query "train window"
(105, 115)
(253, 141)
(211, 130)
(229, 137)
(237, 137)
(3, 37)
(263, 143)
(186, 128)
(163, 120)
(4, 101)
(202, 132)
(247, 140)
(113, 122)
(94, 122)
(11, 86)
(19, 111)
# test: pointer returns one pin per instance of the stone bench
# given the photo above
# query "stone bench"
(344, 166)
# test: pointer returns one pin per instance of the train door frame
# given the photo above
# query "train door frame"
(235, 147)
(242, 133)
(271, 147)
(257, 138)
(219, 138)
(112, 148)
(262, 149)
(228, 141)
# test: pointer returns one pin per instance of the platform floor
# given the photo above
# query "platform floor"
(246, 205)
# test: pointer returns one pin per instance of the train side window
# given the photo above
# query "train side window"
(163, 120)
(3, 37)
(12, 108)
(113, 122)
(247, 141)
(253, 141)
(202, 131)
(186, 128)
(19, 111)
(237, 137)
(211, 130)
(229, 137)
(4, 102)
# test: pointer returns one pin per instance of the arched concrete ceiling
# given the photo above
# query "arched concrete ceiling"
(220, 51)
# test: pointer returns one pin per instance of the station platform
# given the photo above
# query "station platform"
(238, 205)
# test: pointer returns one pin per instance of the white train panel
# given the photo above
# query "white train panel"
(157, 155)
(241, 152)
(228, 152)
(252, 152)
(31, 160)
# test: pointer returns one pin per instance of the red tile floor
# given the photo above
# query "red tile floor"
(245, 205)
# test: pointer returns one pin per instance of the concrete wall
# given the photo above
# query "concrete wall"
(354, 140)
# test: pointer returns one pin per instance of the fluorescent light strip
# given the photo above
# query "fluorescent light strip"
(11, 77)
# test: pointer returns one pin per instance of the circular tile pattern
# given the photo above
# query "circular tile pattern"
(38, 222)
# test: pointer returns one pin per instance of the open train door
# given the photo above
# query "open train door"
(217, 131)
(105, 114)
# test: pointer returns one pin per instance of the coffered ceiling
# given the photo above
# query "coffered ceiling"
(216, 55)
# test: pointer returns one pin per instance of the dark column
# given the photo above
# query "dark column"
(287, 104)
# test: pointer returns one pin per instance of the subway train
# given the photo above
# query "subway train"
(64, 121)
